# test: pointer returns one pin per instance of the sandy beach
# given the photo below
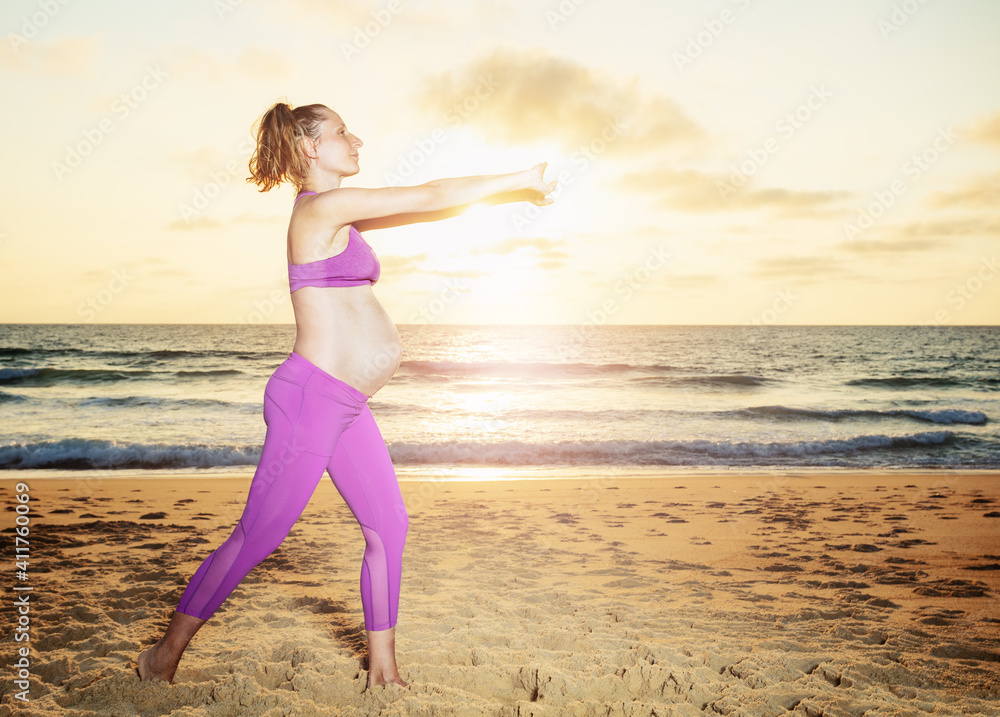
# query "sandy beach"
(795, 592)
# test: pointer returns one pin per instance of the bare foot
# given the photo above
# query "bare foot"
(375, 682)
(146, 666)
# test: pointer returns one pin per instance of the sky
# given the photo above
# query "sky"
(719, 162)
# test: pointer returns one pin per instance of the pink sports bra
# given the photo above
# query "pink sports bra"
(354, 266)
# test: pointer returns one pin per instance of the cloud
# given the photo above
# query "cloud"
(690, 190)
(67, 56)
(199, 162)
(341, 14)
(548, 257)
(690, 281)
(343, 17)
(198, 223)
(980, 192)
(255, 218)
(798, 266)
(547, 251)
(922, 236)
(540, 244)
(189, 62)
(986, 130)
(965, 226)
(524, 96)
(170, 274)
(103, 273)
(551, 264)
(264, 63)
(257, 63)
(897, 246)
(204, 222)
(404, 266)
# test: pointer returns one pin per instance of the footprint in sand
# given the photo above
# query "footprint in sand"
(986, 566)
(963, 652)
(954, 587)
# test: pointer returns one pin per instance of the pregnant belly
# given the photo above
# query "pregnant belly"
(346, 332)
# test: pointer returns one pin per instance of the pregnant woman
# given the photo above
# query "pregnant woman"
(346, 348)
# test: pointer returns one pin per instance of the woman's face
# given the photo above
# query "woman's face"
(337, 149)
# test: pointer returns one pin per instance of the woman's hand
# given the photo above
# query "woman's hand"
(538, 189)
(392, 206)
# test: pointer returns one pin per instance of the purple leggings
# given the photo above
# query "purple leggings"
(315, 422)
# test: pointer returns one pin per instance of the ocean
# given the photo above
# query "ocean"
(487, 401)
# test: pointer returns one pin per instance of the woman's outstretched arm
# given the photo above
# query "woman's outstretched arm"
(374, 208)
(395, 220)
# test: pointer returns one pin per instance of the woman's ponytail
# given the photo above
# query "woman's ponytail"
(279, 155)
